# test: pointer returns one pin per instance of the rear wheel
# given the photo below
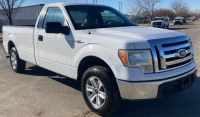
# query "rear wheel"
(16, 63)
(100, 90)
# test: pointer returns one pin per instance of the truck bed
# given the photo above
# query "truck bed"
(22, 37)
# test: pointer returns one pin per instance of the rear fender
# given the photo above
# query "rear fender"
(12, 38)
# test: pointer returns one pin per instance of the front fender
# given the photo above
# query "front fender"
(98, 51)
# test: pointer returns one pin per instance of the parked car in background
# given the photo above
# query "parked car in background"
(178, 20)
(161, 22)
(184, 21)
(193, 19)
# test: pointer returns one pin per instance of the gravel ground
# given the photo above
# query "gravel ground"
(41, 93)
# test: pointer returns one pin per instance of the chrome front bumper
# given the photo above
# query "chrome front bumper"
(154, 89)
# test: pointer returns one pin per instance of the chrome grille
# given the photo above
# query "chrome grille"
(156, 23)
(166, 56)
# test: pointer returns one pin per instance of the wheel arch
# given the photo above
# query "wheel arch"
(94, 54)
(10, 45)
(88, 62)
(11, 42)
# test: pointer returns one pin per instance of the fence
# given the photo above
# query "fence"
(142, 20)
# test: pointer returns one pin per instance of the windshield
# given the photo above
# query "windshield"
(89, 17)
(158, 19)
(177, 19)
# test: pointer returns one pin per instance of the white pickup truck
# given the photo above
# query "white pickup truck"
(161, 22)
(112, 57)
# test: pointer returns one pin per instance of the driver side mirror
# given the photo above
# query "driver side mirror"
(56, 27)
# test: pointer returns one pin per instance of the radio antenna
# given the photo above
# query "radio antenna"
(88, 18)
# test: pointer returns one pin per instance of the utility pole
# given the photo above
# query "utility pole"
(120, 6)
(94, 1)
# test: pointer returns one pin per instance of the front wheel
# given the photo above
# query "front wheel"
(100, 90)
(16, 63)
(164, 26)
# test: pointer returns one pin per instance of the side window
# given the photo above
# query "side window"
(54, 14)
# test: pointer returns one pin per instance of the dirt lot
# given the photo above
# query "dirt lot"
(41, 93)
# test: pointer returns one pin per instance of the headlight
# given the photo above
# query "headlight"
(137, 58)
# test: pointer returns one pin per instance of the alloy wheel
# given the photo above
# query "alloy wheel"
(13, 60)
(96, 92)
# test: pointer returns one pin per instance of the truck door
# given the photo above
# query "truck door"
(54, 50)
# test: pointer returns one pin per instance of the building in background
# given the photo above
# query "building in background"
(27, 15)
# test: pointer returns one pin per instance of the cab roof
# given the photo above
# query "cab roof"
(71, 4)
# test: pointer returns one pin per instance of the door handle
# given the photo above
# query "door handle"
(79, 41)
(40, 38)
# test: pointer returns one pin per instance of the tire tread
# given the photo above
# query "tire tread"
(21, 64)
(108, 74)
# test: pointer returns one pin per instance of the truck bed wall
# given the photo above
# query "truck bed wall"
(22, 37)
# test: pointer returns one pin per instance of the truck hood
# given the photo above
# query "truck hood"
(135, 34)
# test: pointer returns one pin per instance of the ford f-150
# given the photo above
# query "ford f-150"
(112, 57)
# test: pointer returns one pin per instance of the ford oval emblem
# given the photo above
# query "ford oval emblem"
(182, 53)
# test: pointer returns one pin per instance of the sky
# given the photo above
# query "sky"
(194, 4)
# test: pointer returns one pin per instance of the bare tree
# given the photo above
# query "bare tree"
(196, 13)
(9, 8)
(180, 7)
(149, 6)
(164, 12)
(132, 8)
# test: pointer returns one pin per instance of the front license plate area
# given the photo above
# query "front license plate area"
(186, 82)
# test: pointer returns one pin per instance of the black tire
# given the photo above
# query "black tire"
(19, 64)
(113, 99)
(167, 27)
(164, 26)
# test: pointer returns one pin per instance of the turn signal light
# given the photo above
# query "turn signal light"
(124, 58)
